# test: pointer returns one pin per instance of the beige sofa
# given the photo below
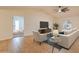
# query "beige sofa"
(67, 40)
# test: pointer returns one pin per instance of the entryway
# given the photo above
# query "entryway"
(18, 26)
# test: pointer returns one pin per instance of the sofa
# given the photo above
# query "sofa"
(66, 40)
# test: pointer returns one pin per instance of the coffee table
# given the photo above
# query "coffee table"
(53, 41)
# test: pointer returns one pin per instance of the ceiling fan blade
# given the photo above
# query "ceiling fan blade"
(65, 9)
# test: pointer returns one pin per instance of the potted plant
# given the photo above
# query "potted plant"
(55, 26)
(55, 31)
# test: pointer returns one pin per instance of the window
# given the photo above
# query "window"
(67, 25)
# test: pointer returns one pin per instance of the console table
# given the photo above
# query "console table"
(44, 30)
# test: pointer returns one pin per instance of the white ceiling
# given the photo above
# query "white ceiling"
(74, 10)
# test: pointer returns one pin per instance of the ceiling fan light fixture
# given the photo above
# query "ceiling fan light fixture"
(62, 9)
(59, 10)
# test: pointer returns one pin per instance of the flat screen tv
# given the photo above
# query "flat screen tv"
(44, 24)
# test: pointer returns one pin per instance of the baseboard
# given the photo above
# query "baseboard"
(6, 38)
(29, 36)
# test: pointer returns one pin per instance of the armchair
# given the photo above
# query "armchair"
(39, 37)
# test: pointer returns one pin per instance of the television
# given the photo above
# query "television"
(44, 24)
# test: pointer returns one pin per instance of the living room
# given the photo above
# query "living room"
(33, 18)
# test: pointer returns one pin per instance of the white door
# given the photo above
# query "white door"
(18, 25)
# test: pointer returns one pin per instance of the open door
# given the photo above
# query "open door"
(18, 26)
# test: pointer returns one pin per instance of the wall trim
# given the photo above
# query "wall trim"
(5, 38)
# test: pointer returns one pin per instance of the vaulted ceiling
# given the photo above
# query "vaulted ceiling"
(74, 10)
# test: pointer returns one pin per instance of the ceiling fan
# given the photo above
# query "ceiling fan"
(62, 9)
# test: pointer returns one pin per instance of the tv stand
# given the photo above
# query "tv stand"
(44, 30)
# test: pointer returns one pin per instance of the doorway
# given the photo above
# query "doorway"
(18, 26)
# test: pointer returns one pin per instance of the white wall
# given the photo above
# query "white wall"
(5, 27)
(32, 22)
(74, 20)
